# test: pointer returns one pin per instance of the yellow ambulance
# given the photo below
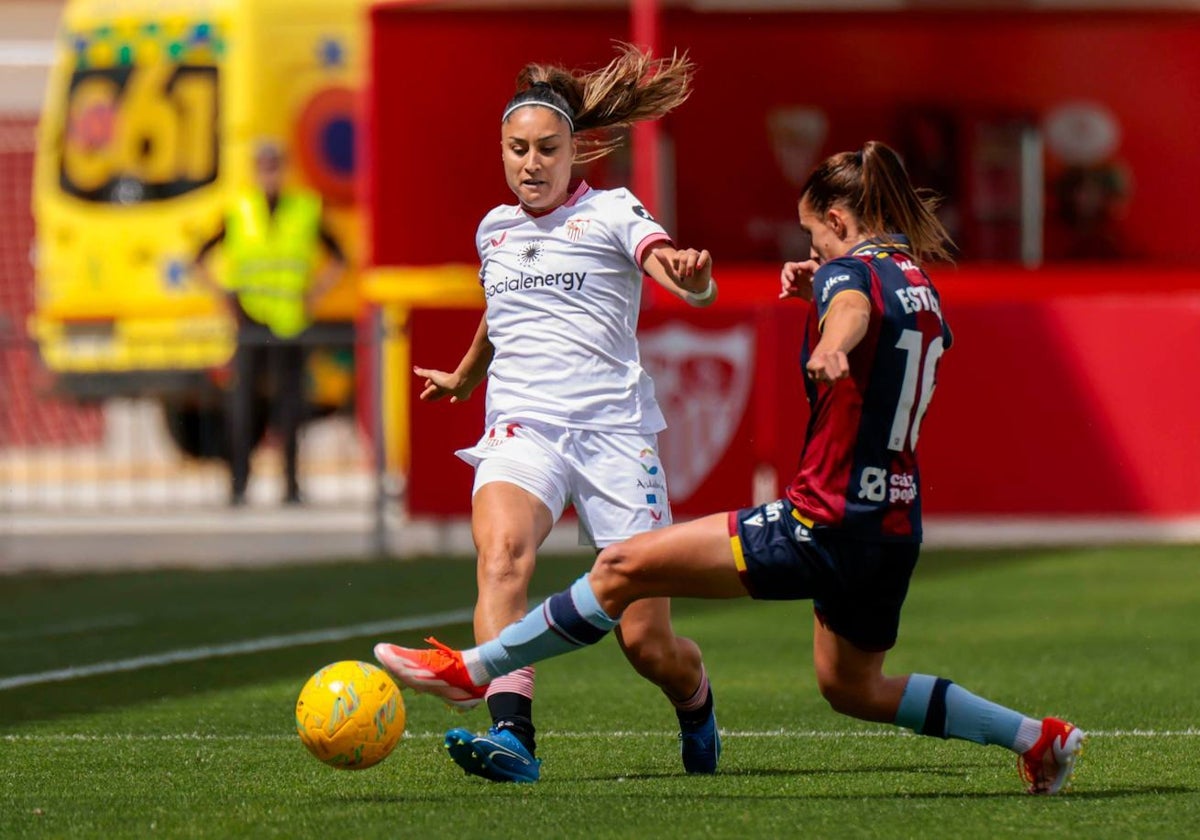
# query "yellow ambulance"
(151, 118)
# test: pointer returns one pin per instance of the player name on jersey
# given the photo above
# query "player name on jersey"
(919, 299)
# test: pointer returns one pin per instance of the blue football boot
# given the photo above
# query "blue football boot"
(498, 755)
(700, 745)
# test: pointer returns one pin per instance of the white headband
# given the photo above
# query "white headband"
(552, 107)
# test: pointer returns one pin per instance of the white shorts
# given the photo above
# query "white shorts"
(615, 481)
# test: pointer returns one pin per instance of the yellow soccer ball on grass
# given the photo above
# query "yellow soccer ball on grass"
(350, 715)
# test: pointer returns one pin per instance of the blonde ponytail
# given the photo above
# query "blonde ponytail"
(631, 88)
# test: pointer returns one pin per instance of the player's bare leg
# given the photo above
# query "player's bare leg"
(852, 679)
(678, 560)
(648, 640)
(688, 560)
(508, 525)
(674, 664)
(693, 559)
(853, 682)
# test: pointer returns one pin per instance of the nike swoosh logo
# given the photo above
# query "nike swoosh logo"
(507, 754)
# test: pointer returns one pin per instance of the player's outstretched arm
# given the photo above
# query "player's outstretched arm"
(472, 370)
(843, 327)
(686, 273)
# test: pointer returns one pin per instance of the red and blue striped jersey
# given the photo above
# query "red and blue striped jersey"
(858, 471)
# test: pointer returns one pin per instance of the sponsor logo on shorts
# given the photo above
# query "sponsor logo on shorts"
(650, 469)
(649, 463)
(770, 512)
(497, 435)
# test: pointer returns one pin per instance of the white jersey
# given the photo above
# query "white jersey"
(563, 294)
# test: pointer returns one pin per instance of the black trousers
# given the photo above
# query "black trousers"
(274, 367)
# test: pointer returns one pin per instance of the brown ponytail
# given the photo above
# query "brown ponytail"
(873, 184)
(631, 88)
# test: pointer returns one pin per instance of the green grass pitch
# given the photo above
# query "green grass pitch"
(204, 746)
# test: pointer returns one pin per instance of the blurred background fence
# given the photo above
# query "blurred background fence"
(130, 453)
(1056, 163)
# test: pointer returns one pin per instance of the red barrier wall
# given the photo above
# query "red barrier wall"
(1069, 390)
(441, 78)
(865, 71)
(1075, 403)
(439, 81)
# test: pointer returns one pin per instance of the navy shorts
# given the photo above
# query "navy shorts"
(857, 585)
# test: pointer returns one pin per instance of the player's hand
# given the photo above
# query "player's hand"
(439, 384)
(689, 269)
(827, 366)
(795, 280)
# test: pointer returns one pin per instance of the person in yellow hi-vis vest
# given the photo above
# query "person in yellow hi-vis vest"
(272, 238)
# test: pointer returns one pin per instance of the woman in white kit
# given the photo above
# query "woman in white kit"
(571, 414)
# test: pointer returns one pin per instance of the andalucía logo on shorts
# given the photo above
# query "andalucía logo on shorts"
(651, 468)
(653, 490)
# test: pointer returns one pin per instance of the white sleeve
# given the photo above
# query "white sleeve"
(631, 226)
(483, 237)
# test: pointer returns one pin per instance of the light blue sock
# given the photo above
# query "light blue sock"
(937, 707)
(564, 622)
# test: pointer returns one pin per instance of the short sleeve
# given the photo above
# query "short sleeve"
(487, 239)
(845, 274)
(631, 225)
(481, 236)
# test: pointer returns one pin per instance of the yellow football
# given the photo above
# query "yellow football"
(350, 715)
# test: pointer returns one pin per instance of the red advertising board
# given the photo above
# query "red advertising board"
(1068, 390)
(1048, 404)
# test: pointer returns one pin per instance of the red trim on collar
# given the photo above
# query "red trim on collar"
(575, 191)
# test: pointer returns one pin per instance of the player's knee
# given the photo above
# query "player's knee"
(839, 695)
(501, 564)
(859, 698)
(614, 576)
